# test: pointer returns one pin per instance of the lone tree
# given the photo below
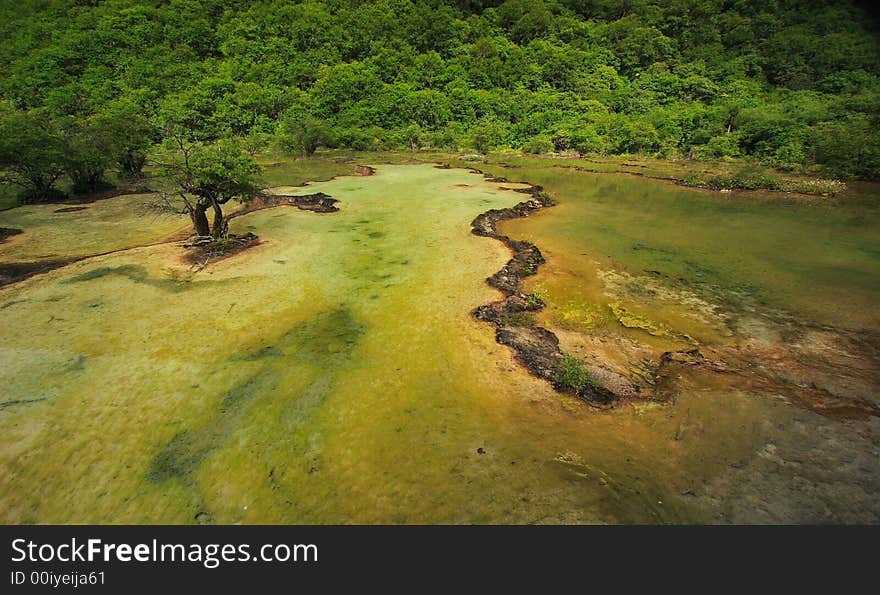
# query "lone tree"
(209, 175)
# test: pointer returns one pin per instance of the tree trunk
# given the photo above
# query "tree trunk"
(220, 226)
(200, 220)
(86, 181)
(132, 163)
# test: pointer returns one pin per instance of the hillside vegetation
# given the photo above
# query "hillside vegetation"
(93, 86)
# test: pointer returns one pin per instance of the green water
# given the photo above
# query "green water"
(333, 374)
(818, 258)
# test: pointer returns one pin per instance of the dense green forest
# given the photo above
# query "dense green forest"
(94, 86)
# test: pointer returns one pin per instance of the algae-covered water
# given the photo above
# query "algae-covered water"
(818, 257)
(333, 374)
(59, 232)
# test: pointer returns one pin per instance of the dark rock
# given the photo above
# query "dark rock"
(536, 347)
(203, 518)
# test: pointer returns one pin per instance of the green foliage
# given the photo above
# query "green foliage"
(89, 149)
(582, 138)
(302, 134)
(538, 145)
(818, 186)
(748, 178)
(534, 301)
(125, 124)
(574, 375)
(488, 134)
(208, 175)
(518, 319)
(792, 85)
(219, 172)
(32, 153)
(725, 145)
(848, 148)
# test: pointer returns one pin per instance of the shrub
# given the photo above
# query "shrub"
(534, 302)
(726, 145)
(745, 179)
(538, 145)
(303, 134)
(818, 186)
(574, 375)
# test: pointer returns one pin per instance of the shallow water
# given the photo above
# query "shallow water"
(816, 257)
(52, 232)
(333, 374)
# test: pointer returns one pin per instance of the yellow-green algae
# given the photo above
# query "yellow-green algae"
(100, 227)
(816, 257)
(332, 374)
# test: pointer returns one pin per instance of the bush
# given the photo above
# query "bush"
(848, 148)
(488, 134)
(587, 140)
(745, 179)
(37, 195)
(574, 375)
(790, 155)
(534, 302)
(303, 134)
(726, 145)
(32, 153)
(538, 145)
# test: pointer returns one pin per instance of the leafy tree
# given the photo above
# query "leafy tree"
(303, 134)
(208, 176)
(848, 148)
(575, 135)
(88, 153)
(31, 153)
(130, 133)
(413, 136)
(487, 135)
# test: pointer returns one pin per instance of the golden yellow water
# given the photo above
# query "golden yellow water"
(333, 374)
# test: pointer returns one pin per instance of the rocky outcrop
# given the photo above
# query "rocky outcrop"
(318, 203)
(536, 348)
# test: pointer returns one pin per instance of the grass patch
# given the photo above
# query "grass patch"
(573, 374)
(818, 186)
(527, 268)
(745, 179)
(534, 302)
(518, 319)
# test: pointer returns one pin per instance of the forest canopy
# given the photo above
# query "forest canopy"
(90, 86)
